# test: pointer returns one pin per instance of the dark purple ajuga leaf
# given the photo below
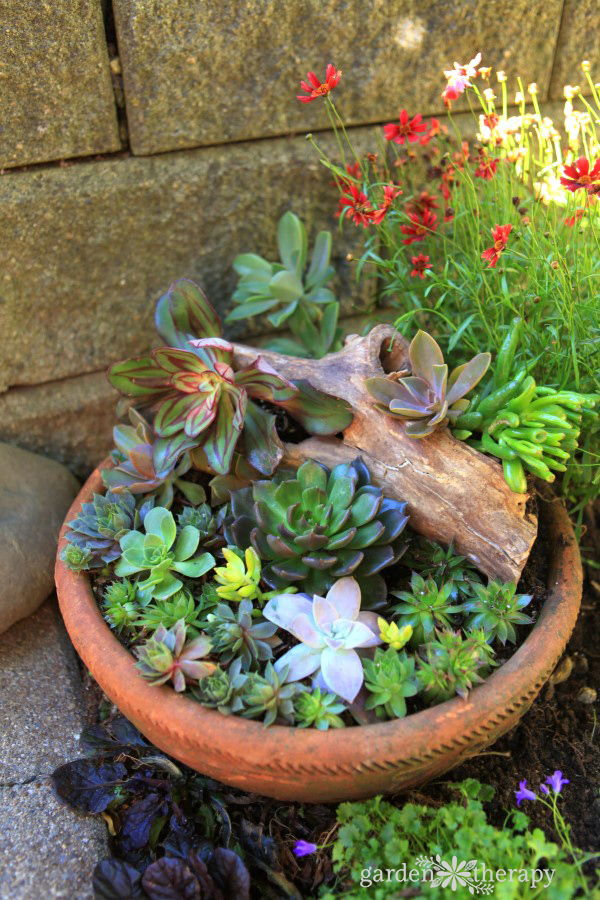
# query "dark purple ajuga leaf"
(138, 377)
(263, 447)
(263, 383)
(172, 879)
(137, 821)
(184, 313)
(319, 413)
(115, 879)
(230, 874)
(87, 784)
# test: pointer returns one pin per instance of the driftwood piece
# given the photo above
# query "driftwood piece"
(453, 492)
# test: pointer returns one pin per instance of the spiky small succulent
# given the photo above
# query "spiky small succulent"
(206, 520)
(215, 690)
(429, 558)
(180, 606)
(453, 664)
(160, 553)
(200, 401)
(497, 609)
(134, 469)
(77, 559)
(426, 607)
(120, 604)
(168, 656)
(235, 633)
(317, 525)
(287, 295)
(427, 399)
(271, 696)
(390, 678)
(318, 710)
(99, 527)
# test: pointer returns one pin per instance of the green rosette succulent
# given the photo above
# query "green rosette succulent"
(222, 690)
(199, 399)
(426, 607)
(169, 656)
(160, 553)
(98, 528)
(429, 398)
(180, 606)
(134, 469)
(443, 564)
(453, 664)
(121, 605)
(235, 633)
(269, 695)
(318, 710)
(497, 609)
(390, 678)
(316, 525)
(206, 520)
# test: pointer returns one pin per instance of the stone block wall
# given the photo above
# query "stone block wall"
(145, 140)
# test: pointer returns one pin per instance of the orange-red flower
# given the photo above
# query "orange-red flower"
(390, 192)
(486, 168)
(407, 130)
(419, 263)
(353, 169)
(434, 130)
(354, 204)
(315, 88)
(579, 175)
(422, 202)
(571, 220)
(420, 227)
(500, 234)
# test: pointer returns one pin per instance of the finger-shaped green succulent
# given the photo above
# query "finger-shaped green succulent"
(497, 609)
(390, 678)
(426, 607)
(429, 398)
(168, 656)
(160, 553)
(316, 525)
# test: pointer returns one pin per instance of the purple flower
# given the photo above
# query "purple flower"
(555, 781)
(524, 793)
(304, 848)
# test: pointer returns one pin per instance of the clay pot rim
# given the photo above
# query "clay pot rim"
(113, 666)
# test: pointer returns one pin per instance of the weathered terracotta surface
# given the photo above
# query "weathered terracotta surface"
(313, 766)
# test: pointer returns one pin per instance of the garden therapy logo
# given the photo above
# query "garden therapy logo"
(453, 875)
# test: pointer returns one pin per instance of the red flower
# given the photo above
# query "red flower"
(571, 220)
(486, 168)
(500, 234)
(421, 203)
(434, 130)
(420, 263)
(407, 130)
(578, 175)
(421, 226)
(491, 121)
(315, 89)
(353, 170)
(389, 193)
(354, 204)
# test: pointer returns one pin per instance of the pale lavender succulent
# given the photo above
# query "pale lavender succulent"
(330, 629)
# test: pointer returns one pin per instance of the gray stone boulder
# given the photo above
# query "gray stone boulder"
(35, 494)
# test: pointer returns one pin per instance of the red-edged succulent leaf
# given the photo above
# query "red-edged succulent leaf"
(263, 382)
(141, 460)
(173, 412)
(167, 451)
(175, 361)
(424, 353)
(202, 413)
(465, 377)
(224, 433)
(213, 349)
(138, 377)
(184, 313)
(319, 413)
(263, 448)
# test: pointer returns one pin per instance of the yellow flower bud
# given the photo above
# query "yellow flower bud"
(586, 65)
(392, 635)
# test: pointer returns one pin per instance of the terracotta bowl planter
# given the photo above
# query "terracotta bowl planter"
(309, 765)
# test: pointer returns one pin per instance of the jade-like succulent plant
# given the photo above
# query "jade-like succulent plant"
(167, 656)
(390, 678)
(160, 553)
(427, 399)
(426, 607)
(99, 527)
(453, 664)
(315, 526)
(318, 710)
(181, 606)
(198, 398)
(287, 295)
(134, 469)
(121, 605)
(430, 559)
(330, 630)
(497, 609)
(270, 695)
(236, 634)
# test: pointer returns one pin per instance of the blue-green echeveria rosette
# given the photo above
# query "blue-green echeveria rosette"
(161, 554)
(316, 525)
(97, 529)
